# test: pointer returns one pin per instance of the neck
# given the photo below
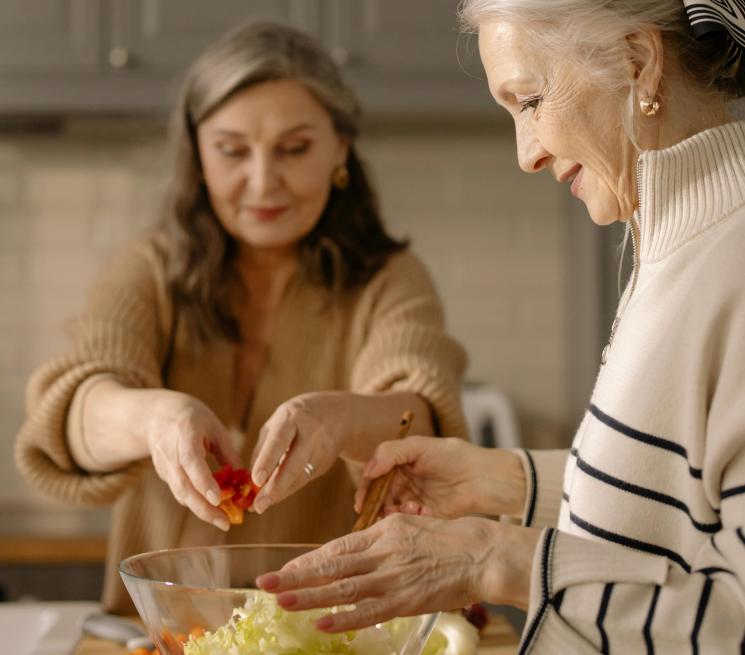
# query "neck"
(265, 273)
(684, 113)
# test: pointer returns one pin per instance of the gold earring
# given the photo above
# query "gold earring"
(340, 177)
(650, 106)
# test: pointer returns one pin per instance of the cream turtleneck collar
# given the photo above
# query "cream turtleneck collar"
(688, 187)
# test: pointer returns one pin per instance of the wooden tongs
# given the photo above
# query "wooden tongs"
(381, 486)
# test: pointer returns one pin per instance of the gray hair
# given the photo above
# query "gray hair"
(262, 52)
(592, 33)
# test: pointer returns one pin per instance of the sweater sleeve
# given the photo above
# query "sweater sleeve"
(599, 597)
(405, 346)
(544, 475)
(121, 333)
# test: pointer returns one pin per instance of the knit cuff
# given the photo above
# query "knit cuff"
(79, 450)
(561, 561)
(544, 476)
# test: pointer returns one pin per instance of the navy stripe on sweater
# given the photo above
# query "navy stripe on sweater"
(706, 592)
(648, 623)
(629, 542)
(534, 489)
(735, 491)
(665, 499)
(527, 641)
(649, 439)
(604, 602)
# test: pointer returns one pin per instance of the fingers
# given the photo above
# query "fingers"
(273, 444)
(186, 494)
(191, 457)
(398, 452)
(366, 613)
(328, 570)
(292, 572)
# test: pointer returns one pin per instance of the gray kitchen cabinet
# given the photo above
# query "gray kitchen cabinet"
(406, 55)
(128, 56)
(163, 36)
(59, 37)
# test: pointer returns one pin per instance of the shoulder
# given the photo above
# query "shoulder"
(402, 288)
(720, 265)
(404, 270)
(134, 276)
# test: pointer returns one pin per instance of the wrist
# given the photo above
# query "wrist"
(505, 573)
(502, 487)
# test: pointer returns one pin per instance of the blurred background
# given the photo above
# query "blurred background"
(529, 284)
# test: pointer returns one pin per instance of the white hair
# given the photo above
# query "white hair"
(592, 33)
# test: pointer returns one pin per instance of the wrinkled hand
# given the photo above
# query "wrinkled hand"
(407, 565)
(305, 429)
(181, 431)
(448, 478)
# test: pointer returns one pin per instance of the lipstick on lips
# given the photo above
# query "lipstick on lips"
(266, 213)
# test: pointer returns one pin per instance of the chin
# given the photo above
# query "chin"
(605, 213)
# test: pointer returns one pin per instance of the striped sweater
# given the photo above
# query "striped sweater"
(644, 543)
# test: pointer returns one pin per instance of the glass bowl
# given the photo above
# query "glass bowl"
(189, 591)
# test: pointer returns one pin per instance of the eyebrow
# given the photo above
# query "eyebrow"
(284, 133)
(503, 91)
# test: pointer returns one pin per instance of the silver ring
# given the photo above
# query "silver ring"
(309, 468)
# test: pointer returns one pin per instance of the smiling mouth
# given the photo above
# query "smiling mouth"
(266, 213)
(573, 177)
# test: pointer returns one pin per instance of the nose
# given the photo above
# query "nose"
(262, 174)
(531, 155)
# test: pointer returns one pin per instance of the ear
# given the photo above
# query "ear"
(647, 60)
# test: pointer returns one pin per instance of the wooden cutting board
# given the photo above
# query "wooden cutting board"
(498, 639)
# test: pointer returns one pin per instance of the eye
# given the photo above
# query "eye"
(295, 148)
(532, 102)
(232, 150)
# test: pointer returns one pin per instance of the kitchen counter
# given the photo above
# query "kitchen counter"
(499, 638)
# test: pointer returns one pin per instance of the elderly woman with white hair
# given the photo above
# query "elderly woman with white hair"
(633, 541)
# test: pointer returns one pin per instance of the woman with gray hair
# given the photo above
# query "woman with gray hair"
(269, 320)
(633, 541)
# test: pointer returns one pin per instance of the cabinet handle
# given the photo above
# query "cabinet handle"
(346, 59)
(119, 58)
(340, 56)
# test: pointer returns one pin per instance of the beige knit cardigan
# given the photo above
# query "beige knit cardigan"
(386, 335)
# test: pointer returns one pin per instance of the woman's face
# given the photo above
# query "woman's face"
(564, 123)
(267, 156)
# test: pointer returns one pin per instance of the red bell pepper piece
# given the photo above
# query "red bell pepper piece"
(238, 492)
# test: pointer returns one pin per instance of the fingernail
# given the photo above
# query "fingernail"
(260, 477)
(325, 623)
(369, 467)
(287, 599)
(213, 497)
(261, 505)
(222, 524)
(268, 581)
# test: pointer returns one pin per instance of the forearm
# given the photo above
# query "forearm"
(370, 419)
(109, 430)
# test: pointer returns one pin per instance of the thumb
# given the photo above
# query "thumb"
(224, 448)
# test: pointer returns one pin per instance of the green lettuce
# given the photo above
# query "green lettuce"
(261, 626)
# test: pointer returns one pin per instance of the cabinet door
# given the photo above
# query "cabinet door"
(406, 54)
(398, 37)
(164, 36)
(49, 37)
